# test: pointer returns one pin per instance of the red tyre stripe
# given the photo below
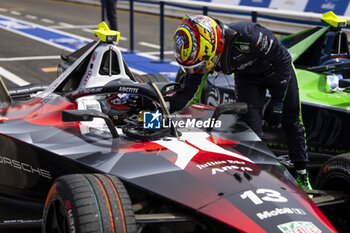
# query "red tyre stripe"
(119, 203)
(108, 203)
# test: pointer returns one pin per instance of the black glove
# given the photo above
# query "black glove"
(273, 113)
(137, 102)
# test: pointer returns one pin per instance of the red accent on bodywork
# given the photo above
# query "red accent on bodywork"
(222, 142)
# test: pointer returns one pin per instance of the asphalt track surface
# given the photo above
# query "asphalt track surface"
(33, 61)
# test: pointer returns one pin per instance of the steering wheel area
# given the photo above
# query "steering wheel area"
(129, 106)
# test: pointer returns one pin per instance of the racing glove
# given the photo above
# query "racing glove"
(137, 102)
(273, 113)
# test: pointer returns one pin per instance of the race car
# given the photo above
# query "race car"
(98, 151)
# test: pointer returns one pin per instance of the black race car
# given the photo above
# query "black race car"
(98, 151)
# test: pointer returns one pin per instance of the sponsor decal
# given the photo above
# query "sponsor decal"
(259, 39)
(224, 165)
(334, 151)
(88, 91)
(279, 211)
(94, 56)
(152, 120)
(129, 89)
(87, 77)
(192, 144)
(245, 65)
(268, 50)
(5, 161)
(298, 226)
(338, 7)
(244, 47)
(19, 221)
(70, 216)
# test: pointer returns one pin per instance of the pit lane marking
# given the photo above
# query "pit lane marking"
(49, 69)
(15, 12)
(66, 25)
(156, 53)
(47, 20)
(67, 41)
(29, 58)
(154, 46)
(12, 77)
(31, 17)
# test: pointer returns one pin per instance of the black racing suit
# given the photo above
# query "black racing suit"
(260, 62)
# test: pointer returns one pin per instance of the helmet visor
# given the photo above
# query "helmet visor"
(198, 68)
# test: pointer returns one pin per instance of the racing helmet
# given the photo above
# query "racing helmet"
(198, 44)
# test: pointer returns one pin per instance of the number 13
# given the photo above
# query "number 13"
(270, 195)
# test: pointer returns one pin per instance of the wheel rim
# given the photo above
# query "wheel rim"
(56, 218)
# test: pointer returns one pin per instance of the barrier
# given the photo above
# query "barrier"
(277, 20)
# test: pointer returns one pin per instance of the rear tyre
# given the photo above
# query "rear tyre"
(93, 203)
(153, 78)
(335, 175)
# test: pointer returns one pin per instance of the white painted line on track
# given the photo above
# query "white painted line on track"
(66, 25)
(47, 20)
(29, 58)
(157, 53)
(155, 46)
(15, 12)
(145, 54)
(12, 77)
(31, 17)
(72, 35)
(40, 39)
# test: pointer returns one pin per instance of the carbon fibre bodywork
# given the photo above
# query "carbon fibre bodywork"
(208, 172)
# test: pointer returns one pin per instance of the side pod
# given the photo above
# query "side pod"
(5, 98)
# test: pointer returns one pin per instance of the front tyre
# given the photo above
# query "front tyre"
(93, 203)
(335, 175)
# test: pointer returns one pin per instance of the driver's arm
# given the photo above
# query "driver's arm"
(270, 49)
(190, 94)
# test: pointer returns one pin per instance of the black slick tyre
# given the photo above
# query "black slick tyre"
(335, 175)
(83, 203)
(153, 78)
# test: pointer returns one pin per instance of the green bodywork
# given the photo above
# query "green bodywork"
(313, 86)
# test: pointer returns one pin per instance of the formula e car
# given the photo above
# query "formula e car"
(98, 151)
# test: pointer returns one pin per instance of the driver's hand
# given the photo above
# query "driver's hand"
(273, 113)
(134, 101)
